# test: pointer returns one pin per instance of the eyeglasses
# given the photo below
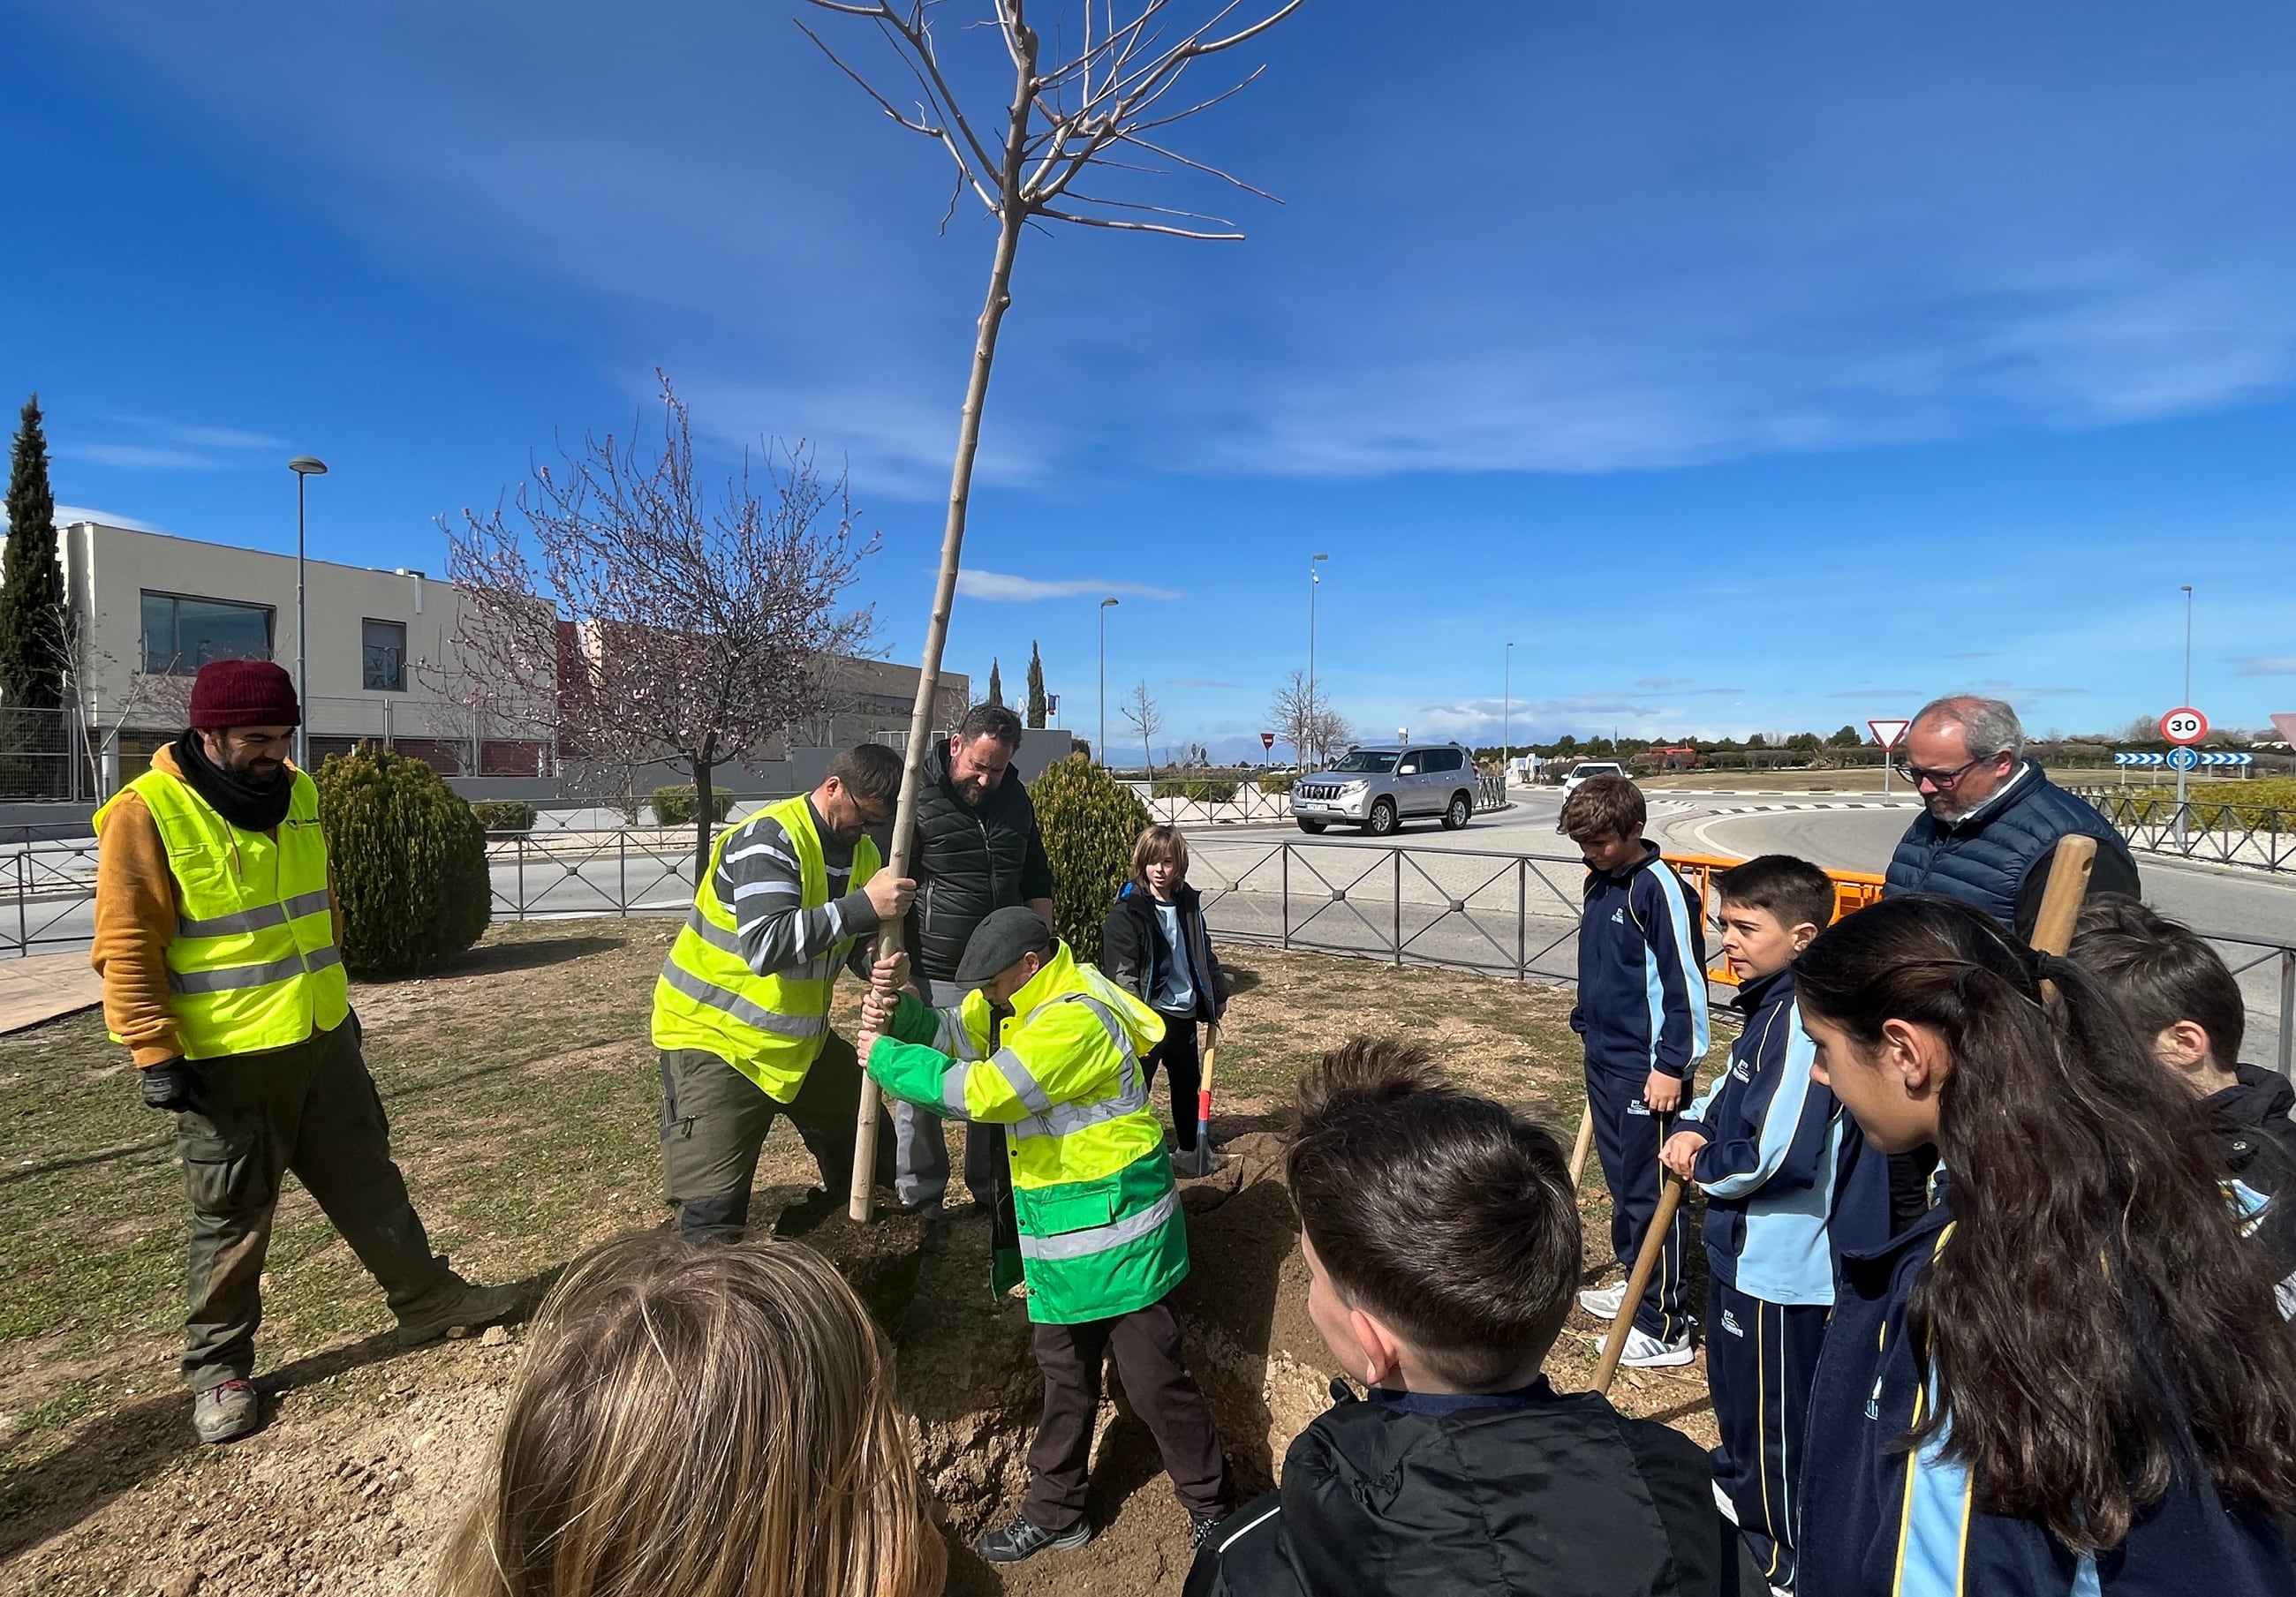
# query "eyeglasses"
(1940, 780)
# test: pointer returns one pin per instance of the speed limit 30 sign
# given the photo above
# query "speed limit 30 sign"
(2184, 725)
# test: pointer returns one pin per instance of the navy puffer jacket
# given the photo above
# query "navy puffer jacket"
(1996, 858)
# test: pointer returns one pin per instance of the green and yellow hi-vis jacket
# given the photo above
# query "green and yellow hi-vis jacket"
(1101, 1229)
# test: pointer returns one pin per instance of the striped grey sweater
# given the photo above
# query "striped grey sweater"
(759, 879)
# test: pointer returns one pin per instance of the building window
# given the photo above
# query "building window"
(382, 656)
(182, 633)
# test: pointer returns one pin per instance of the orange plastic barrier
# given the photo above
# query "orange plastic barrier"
(1853, 890)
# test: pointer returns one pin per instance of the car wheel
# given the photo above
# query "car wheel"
(1455, 818)
(1382, 818)
(1314, 828)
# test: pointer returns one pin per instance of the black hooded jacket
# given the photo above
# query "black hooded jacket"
(1552, 1495)
(968, 861)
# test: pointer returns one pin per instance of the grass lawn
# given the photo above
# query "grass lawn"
(524, 1104)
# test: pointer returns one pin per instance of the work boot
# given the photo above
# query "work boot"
(453, 1305)
(1023, 1538)
(226, 1412)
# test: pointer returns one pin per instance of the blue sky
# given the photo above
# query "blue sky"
(1748, 369)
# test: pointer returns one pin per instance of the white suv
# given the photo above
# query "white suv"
(1379, 789)
(1586, 769)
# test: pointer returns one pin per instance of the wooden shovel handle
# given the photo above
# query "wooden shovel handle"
(1669, 1198)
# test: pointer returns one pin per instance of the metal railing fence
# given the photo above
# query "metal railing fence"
(1514, 916)
(2225, 832)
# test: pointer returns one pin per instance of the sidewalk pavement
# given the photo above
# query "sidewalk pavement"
(45, 986)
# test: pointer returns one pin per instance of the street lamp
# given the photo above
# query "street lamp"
(1307, 730)
(303, 466)
(1104, 682)
(2186, 700)
(1506, 713)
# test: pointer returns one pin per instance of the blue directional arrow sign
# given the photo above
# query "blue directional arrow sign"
(2183, 759)
(2227, 759)
(2139, 758)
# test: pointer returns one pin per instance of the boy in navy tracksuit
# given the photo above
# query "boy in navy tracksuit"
(1642, 1009)
(1786, 1181)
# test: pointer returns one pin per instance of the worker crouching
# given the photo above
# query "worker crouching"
(1050, 1049)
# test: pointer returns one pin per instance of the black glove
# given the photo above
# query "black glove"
(172, 1085)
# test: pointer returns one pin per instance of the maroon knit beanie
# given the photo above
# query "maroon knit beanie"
(243, 692)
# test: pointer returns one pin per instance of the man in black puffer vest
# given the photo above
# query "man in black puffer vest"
(1990, 825)
(977, 849)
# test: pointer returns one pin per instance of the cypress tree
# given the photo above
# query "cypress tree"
(1036, 688)
(995, 685)
(31, 582)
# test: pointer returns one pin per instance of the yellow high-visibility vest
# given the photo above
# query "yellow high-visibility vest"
(768, 1028)
(253, 964)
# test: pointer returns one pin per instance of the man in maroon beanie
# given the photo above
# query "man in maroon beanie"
(219, 943)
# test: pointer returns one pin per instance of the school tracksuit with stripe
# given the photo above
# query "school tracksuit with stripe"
(1641, 1007)
(1788, 1180)
(1878, 1522)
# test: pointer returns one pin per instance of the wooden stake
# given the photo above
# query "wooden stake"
(2061, 900)
(1614, 1345)
(1585, 1145)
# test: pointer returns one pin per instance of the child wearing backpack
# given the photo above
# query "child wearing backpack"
(2068, 1376)
(1787, 1180)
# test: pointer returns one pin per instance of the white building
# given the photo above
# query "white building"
(151, 610)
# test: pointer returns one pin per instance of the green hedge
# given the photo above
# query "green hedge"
(679, 806)
(1202, 790)
(2214, 805)
(410, 862)
(1090, 822)
(504, 815)
(1277, 782)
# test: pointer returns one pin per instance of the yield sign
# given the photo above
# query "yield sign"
(1888, 732)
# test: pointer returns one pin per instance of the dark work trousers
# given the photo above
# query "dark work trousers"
(921, 1140)
(714, 1120)
(311, 1108)
(1761, 1359)
(1909, 1186)
(1627, 1138)
(1146, 1343)
(1183, 1070)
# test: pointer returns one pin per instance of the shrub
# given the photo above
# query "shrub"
(2223, 806)
(679, 806)
(503, 814)
(1277, 782)
(1202, 790)
(410, 862)
(1090, 822)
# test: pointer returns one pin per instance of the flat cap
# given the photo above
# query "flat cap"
(999, 941)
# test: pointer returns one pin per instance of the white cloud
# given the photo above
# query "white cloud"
(158, 444)
(66, 514)
(1001, 587)
(2267, 665)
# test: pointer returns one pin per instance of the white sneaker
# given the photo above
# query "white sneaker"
(1646, 1352)
(1602, 1302)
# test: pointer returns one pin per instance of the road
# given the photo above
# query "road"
(2226, 901)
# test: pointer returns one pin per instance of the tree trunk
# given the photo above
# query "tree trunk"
(704, 810)
(951, 549)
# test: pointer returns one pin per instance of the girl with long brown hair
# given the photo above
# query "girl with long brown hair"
(2069, 1375)
(700, 1421)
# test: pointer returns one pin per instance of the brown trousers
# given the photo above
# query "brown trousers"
(1146, 1343)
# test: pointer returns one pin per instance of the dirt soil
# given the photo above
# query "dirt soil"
(370, 1455)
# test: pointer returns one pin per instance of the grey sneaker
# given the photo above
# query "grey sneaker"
(1602, 1302)
(1023, 1538)
(453, 1305)
(226, 1412)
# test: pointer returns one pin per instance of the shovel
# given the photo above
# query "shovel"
(1201, 1160)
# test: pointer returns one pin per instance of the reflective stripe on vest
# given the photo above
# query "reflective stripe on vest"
(768, 1028)
(253, 965)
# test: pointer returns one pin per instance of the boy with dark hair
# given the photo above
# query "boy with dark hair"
(1642, 1009)
(1441, 1238)
(2186, 1005)
(1788, 1183)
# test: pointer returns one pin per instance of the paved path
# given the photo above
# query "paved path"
(45, 987)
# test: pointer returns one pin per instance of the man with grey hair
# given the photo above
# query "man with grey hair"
(1988, 836)
(1992, 819)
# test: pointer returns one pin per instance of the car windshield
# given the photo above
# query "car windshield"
(1365, 760)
